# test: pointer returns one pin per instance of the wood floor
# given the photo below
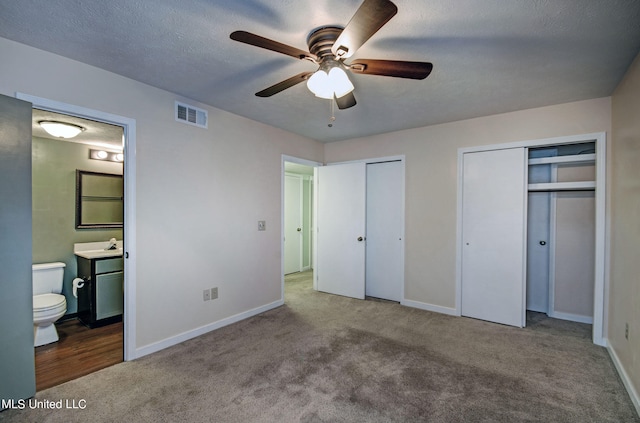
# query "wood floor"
(79, 351)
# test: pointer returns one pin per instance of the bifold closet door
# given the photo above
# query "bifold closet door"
(493, 236)
(340, 267)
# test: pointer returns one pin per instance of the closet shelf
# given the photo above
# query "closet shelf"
(575, 159)
(564, 186)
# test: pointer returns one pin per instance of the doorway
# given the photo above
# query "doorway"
(378, 216)
(128, 126)
(57, 165)
(297, 218)
(298, 210)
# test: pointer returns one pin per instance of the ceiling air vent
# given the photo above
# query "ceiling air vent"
(191, 115)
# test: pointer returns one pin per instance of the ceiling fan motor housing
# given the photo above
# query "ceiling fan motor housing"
(321, 40)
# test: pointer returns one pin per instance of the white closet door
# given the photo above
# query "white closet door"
(292, 224)
(494, 232)
(384, 268)
(341, 229)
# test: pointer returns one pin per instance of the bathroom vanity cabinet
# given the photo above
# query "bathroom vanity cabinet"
(101, 299)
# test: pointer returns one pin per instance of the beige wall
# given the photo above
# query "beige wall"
(200, 193)
(431, 180)
(574, 244)
(624, 295)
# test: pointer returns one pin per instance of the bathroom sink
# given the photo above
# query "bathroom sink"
(93, 254)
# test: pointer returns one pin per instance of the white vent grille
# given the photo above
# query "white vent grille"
(191, 115)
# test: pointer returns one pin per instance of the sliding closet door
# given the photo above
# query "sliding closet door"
(341, 229)
(493, 236)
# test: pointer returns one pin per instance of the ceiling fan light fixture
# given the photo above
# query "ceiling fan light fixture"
(340, 82)
(327, 85)
(60, 129)
(320, 85)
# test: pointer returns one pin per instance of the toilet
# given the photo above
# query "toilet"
(48, 304)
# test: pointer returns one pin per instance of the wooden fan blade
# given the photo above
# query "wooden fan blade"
(287, 83)
(368, 19)
(395, 68)
(258, 41)
(346, 101)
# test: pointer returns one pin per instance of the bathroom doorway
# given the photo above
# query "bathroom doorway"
(80, 349)
(298, 209)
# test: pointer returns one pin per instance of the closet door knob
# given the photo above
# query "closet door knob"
(360, 238)
(299, 229)
(543, 242)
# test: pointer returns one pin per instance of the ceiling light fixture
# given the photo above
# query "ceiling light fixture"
(325, 84)
(60, 129)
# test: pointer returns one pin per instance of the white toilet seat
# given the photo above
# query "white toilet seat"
(44, 302)
(48, 305)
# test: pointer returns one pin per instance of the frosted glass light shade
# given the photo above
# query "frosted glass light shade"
(335, 83)
(60, 129)
(340, 82)
(319, 84)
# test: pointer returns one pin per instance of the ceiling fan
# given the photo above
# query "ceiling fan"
(330, 46)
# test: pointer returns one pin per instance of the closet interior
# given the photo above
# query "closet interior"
(561, 231)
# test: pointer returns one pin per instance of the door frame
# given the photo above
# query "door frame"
(601, 283)
(292, 159)
(129, 230)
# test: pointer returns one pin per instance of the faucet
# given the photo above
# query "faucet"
(112, 245)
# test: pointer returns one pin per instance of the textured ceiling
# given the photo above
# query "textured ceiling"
(489, 56)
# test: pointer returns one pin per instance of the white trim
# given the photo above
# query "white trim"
(626, 379)
(571, 317)
(563, 186)
(571, 139)
(553, 224)
(600, 286)
(292, 159)
(430, 307)
(574, 159)
(190, 334)
(129, 126)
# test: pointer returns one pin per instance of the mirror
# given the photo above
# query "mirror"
(99, 200)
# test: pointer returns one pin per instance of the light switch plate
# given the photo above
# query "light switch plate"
(262, 225)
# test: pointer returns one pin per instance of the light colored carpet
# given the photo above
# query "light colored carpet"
(325, 358)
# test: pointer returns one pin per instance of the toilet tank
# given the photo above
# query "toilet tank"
(47, 278)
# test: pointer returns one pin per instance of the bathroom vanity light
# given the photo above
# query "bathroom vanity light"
(60, 129)
(108, 156)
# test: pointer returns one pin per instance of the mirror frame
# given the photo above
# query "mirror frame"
(79, 200)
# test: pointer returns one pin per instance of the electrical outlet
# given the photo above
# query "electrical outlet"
(214, 293)
(262, 225)
(206, 295)
(626, 331)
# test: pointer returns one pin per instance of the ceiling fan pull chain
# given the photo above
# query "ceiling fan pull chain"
(332, 116)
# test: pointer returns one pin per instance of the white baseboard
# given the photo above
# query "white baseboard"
(571, 317)
(635, 399)
(174, 340)
(430, 307)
